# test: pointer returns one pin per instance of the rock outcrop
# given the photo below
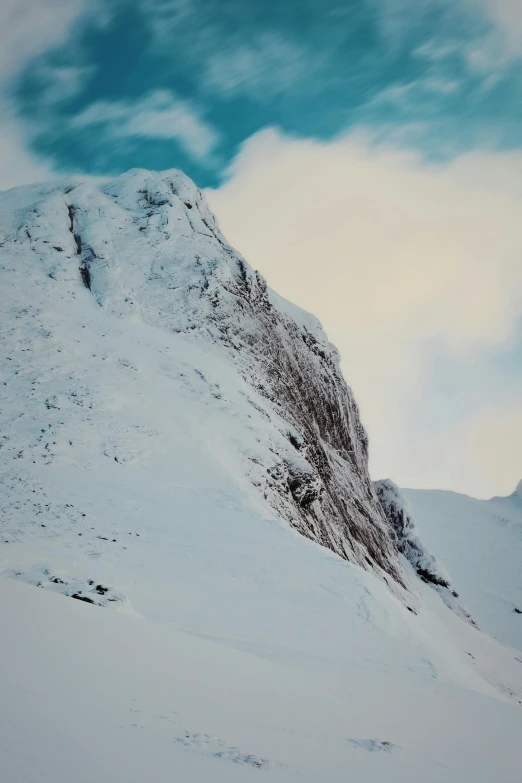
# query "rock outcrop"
(409, 544)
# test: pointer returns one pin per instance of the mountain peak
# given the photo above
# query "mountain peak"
(141, 251)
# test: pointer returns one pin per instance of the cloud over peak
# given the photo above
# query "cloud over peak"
(160, 114)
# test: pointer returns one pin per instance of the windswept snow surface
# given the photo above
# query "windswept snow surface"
(94, 697)
(480, 543)
(169, 428)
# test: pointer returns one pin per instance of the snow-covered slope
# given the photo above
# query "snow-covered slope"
(123, 307)
(92, 697)
(480, 543)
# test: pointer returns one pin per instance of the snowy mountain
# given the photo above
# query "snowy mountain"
(480, 542)
(178, 444)
(144, 250)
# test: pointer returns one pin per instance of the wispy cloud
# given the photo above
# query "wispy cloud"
(440, 86)
(408, 95)
(27, 29)
(63, 83)
(266, 66)
(485, 35)
(506, 18)
(18, 166)
(159, 115)
(30, 27)
(437, 48)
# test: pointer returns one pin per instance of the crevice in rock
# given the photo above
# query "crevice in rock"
(86, 276)
(83, 598)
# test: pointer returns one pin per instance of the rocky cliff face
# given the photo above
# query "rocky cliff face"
(147, 250)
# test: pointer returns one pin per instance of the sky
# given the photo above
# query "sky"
(364, 155)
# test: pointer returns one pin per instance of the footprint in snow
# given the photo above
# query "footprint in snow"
(207, 745)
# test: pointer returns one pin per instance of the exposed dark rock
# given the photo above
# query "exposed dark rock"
(83, 598)
(297, 444)
(433, 579)
(86, 277)
(305, 487)
(404, 530)
(409, 544)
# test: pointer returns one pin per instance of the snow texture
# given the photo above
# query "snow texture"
(93, 697)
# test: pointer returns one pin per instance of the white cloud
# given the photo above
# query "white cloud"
(30, 27)
(486, 34)
(493, 440)
(262, 68)
(397, 17)
(403, 262)
(435, 50)
(506, 16)
(61, 84)
(17, 165)
(407, 96)
(159, 115)
(167, 17)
